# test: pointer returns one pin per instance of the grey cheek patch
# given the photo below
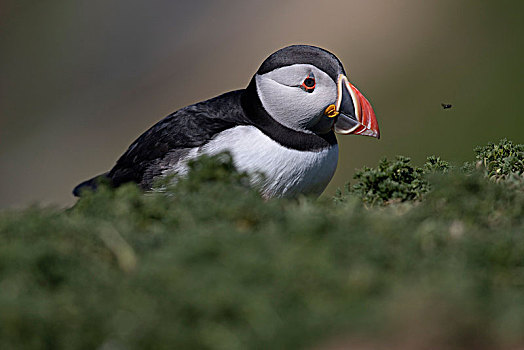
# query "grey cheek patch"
(290, 105)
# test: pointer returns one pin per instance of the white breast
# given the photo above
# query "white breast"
(287, 171)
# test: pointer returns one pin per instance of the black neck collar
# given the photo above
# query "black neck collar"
(285, 136)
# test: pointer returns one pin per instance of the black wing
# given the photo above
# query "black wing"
(171, 138)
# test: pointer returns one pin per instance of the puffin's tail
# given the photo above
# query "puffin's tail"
(91, 184)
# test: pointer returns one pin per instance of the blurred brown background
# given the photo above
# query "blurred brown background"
(80, 80)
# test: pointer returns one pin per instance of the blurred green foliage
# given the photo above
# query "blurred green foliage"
(211, 265)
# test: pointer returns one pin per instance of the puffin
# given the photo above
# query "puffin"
(282, 125)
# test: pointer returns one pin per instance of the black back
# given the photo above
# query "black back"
(173, 136)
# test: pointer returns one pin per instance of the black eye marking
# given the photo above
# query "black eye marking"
(309, 83)
(446, 106)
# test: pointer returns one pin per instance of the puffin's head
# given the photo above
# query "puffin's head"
(305, 88)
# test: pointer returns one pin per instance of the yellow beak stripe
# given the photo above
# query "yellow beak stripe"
(331, 111)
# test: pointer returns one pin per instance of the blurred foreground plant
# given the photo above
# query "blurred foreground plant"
(209, 264)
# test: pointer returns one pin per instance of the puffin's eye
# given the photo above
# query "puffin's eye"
(309, 83)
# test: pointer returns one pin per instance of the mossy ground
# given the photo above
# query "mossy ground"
(211, 265)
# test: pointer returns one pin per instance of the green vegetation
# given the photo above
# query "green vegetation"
(394, 181)
(501, 161)
(211, 265)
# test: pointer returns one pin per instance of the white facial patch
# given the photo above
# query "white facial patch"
(284, 100)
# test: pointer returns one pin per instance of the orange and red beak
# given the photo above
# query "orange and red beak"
(353, 112)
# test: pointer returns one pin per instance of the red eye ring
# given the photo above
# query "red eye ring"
(309, 83)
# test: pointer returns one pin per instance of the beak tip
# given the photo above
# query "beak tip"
(365, 123)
